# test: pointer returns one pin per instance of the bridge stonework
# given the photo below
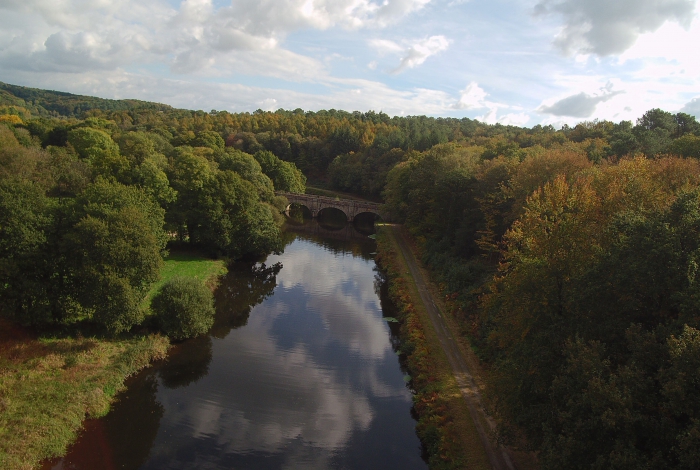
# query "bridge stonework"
(317, 203)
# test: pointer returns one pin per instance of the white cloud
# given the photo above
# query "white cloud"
(666, 56)
(235, 55)
(419, 51)
(580, 105)
(278, 17)
(509, 119)
(473, 96)
(82, 35)
(605, 27)
(413, 52)
(692, 107)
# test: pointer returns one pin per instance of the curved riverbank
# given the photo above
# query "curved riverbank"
(48, 386)
(51, 383)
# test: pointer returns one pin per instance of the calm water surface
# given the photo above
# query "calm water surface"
(299, 371)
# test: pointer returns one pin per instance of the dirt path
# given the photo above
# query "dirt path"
(498, 456)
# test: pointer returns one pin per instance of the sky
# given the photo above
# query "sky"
(519, 62)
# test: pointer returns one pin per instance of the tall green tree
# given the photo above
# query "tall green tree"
(24, 219)
(113, 252)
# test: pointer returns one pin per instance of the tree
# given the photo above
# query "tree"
(686, 124)
(101, 151)
(622, 140)
(209, 139)
(90, 143)
(184, 308)
(154, 182)
(249, 169)
(230, 219)
(284, 175)
(113, 252)
(687, 146)
(138, 146)
(24, 220)
(654, 131)
(188, 174)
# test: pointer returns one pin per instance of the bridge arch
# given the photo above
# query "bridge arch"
(331, 208)
(351, 208)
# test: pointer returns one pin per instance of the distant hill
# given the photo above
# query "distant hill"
(56, 103)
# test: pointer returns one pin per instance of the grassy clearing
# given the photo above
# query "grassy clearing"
(48, 386)
(187, 264)
(444, 424)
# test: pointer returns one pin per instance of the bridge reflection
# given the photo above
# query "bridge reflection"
(313, 227)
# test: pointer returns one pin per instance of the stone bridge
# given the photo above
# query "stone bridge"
(349, 207)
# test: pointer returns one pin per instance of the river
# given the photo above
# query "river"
(299, 371)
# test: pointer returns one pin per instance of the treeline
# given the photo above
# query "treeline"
(87, 208)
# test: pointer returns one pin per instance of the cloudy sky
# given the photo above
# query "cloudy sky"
(522, 62)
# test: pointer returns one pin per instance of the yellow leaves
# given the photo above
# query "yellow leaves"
(631, 185)
(559, 222)
(10, 119)
(542, 167)
(567, 217)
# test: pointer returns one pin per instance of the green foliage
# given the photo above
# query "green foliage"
(92, 143)
(98, 148)
(231, 219)
(150, 176)
(138, 146)
(284, 175)
(209, 139)
(113, 252)
(687, 146)
(249, 169)
(184, 308)
(24, 218)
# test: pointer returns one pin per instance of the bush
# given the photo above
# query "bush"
(184, 308)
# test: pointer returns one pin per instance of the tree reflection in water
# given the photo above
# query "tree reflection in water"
(245, 286)
(186, 363)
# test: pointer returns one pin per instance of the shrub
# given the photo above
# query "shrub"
(184, 308)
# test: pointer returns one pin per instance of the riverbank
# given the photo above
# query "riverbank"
(50, 383)
(445, 425)
(48, 386)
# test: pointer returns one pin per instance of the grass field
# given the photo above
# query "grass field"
(188, 264)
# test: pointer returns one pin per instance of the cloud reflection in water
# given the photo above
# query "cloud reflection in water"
(311, 380)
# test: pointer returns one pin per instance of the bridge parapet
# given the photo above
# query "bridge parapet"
(316, 204)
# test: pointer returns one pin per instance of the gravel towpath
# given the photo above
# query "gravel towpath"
(485, 425)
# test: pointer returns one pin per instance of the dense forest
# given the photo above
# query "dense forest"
(87, 207)
(570, 256)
